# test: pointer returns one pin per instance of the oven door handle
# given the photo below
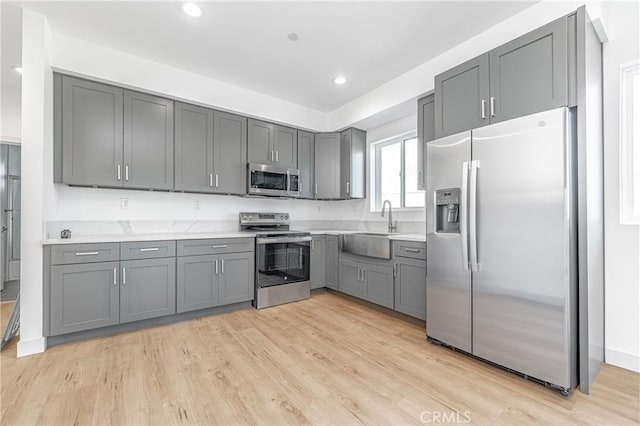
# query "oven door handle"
(262, 241)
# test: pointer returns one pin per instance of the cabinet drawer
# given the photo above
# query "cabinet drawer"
(84, 253)
(414, 250)
(147, 249)
(214, 246)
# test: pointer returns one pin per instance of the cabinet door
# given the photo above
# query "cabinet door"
(331, 261)
(529, 74)
(236, 278)
(426, 133)
(194, 148)
(230, 155)
(84, 296)
(317, 262)
(327, 173)
(350, 278)
(462, 96)
(345, 164)
(91, 133)
(353, 164)
(260, 142)
(147, 289)
(198, 283)
(411, 287)
(286, 147)
(379, 285)
(148, 141)
(306, 164)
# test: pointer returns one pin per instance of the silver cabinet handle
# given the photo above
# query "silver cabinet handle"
(492, 106)
(211, 180)
(348, 187)
(411, 250)
(119, 175)
(464, 236)
(364, 275)
(220, 246)
(395, 269)
(271, 156)
(483, 109)
(115, 276)
(277, 152)
(316, 189)
(126, 173)
(87, 253)
(216, 263)
(150, 249)
(473, 183)
(358, 274)
(222, 266)
(216, 180)
(124, 276)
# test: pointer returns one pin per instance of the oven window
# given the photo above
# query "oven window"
(282, 263)
(268, 180)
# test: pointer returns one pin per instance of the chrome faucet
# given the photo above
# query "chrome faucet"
(392, 227)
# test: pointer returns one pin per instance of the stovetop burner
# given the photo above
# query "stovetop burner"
(268, 224)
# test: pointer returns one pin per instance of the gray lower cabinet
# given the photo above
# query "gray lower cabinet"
(331, 251)
(148, 288)
(411, 287)
(349, 278)
(148, 141)
(306, 164)
(327, 166)
(353, 152)
(91, 135)
(317, 267)
(367, 281)
(229, 153)
(206, 281)
(426, 133)
(83, 296)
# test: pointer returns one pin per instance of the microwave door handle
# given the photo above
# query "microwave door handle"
(288, 181)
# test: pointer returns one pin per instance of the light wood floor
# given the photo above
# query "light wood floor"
(327, 360)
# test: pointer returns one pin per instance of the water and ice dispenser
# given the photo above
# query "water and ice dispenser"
(448, 211)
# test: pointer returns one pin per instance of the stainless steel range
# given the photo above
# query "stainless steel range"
(282, 259)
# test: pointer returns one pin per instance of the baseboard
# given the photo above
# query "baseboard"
(31, 347)
(622, 359)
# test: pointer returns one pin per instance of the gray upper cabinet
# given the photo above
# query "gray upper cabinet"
(327, 166)
(461, 97)
(148, 289)
(148, 141)
(84, 296)
(331, 248)
(91, 137)
(193, 148)
(426, 133)
(236, 274)
(306, 164)
(260, 142)
(230, 153)
(317, 267)
(286, 147)
(353, 145)
(530, 74)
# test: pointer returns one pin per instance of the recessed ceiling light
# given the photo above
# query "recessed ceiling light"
(292, 36)
(340, 80)
(18, 69)
(192, 9)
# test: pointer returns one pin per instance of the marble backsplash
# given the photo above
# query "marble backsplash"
(94, 228)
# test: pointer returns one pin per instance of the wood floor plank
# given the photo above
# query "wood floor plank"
(326, 360)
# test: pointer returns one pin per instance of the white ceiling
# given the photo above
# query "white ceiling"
(11, 48)
(245, 43)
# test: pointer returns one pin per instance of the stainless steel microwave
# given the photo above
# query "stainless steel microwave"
(264, 179)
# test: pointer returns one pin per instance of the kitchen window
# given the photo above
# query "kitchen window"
(630, 143)
(394, 177)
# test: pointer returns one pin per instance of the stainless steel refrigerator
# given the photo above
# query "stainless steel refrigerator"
(502, 245)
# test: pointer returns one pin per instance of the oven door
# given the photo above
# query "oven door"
(282, 260)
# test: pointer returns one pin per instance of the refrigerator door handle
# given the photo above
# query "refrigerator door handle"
(473, 236)
(464, 235)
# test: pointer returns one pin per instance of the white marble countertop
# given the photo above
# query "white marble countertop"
(118, 238)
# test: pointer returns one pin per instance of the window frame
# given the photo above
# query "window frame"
(628, 72)
(376, 199)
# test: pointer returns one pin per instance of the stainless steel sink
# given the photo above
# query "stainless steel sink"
(371, 244)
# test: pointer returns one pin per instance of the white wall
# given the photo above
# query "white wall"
(10, 113)
(622, 242)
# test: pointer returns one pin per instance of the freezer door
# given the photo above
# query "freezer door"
(524, 288)
(448, 281)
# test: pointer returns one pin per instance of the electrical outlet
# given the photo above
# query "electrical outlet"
(124, 203)
(196, 205)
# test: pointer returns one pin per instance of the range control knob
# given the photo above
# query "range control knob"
(286, 217)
